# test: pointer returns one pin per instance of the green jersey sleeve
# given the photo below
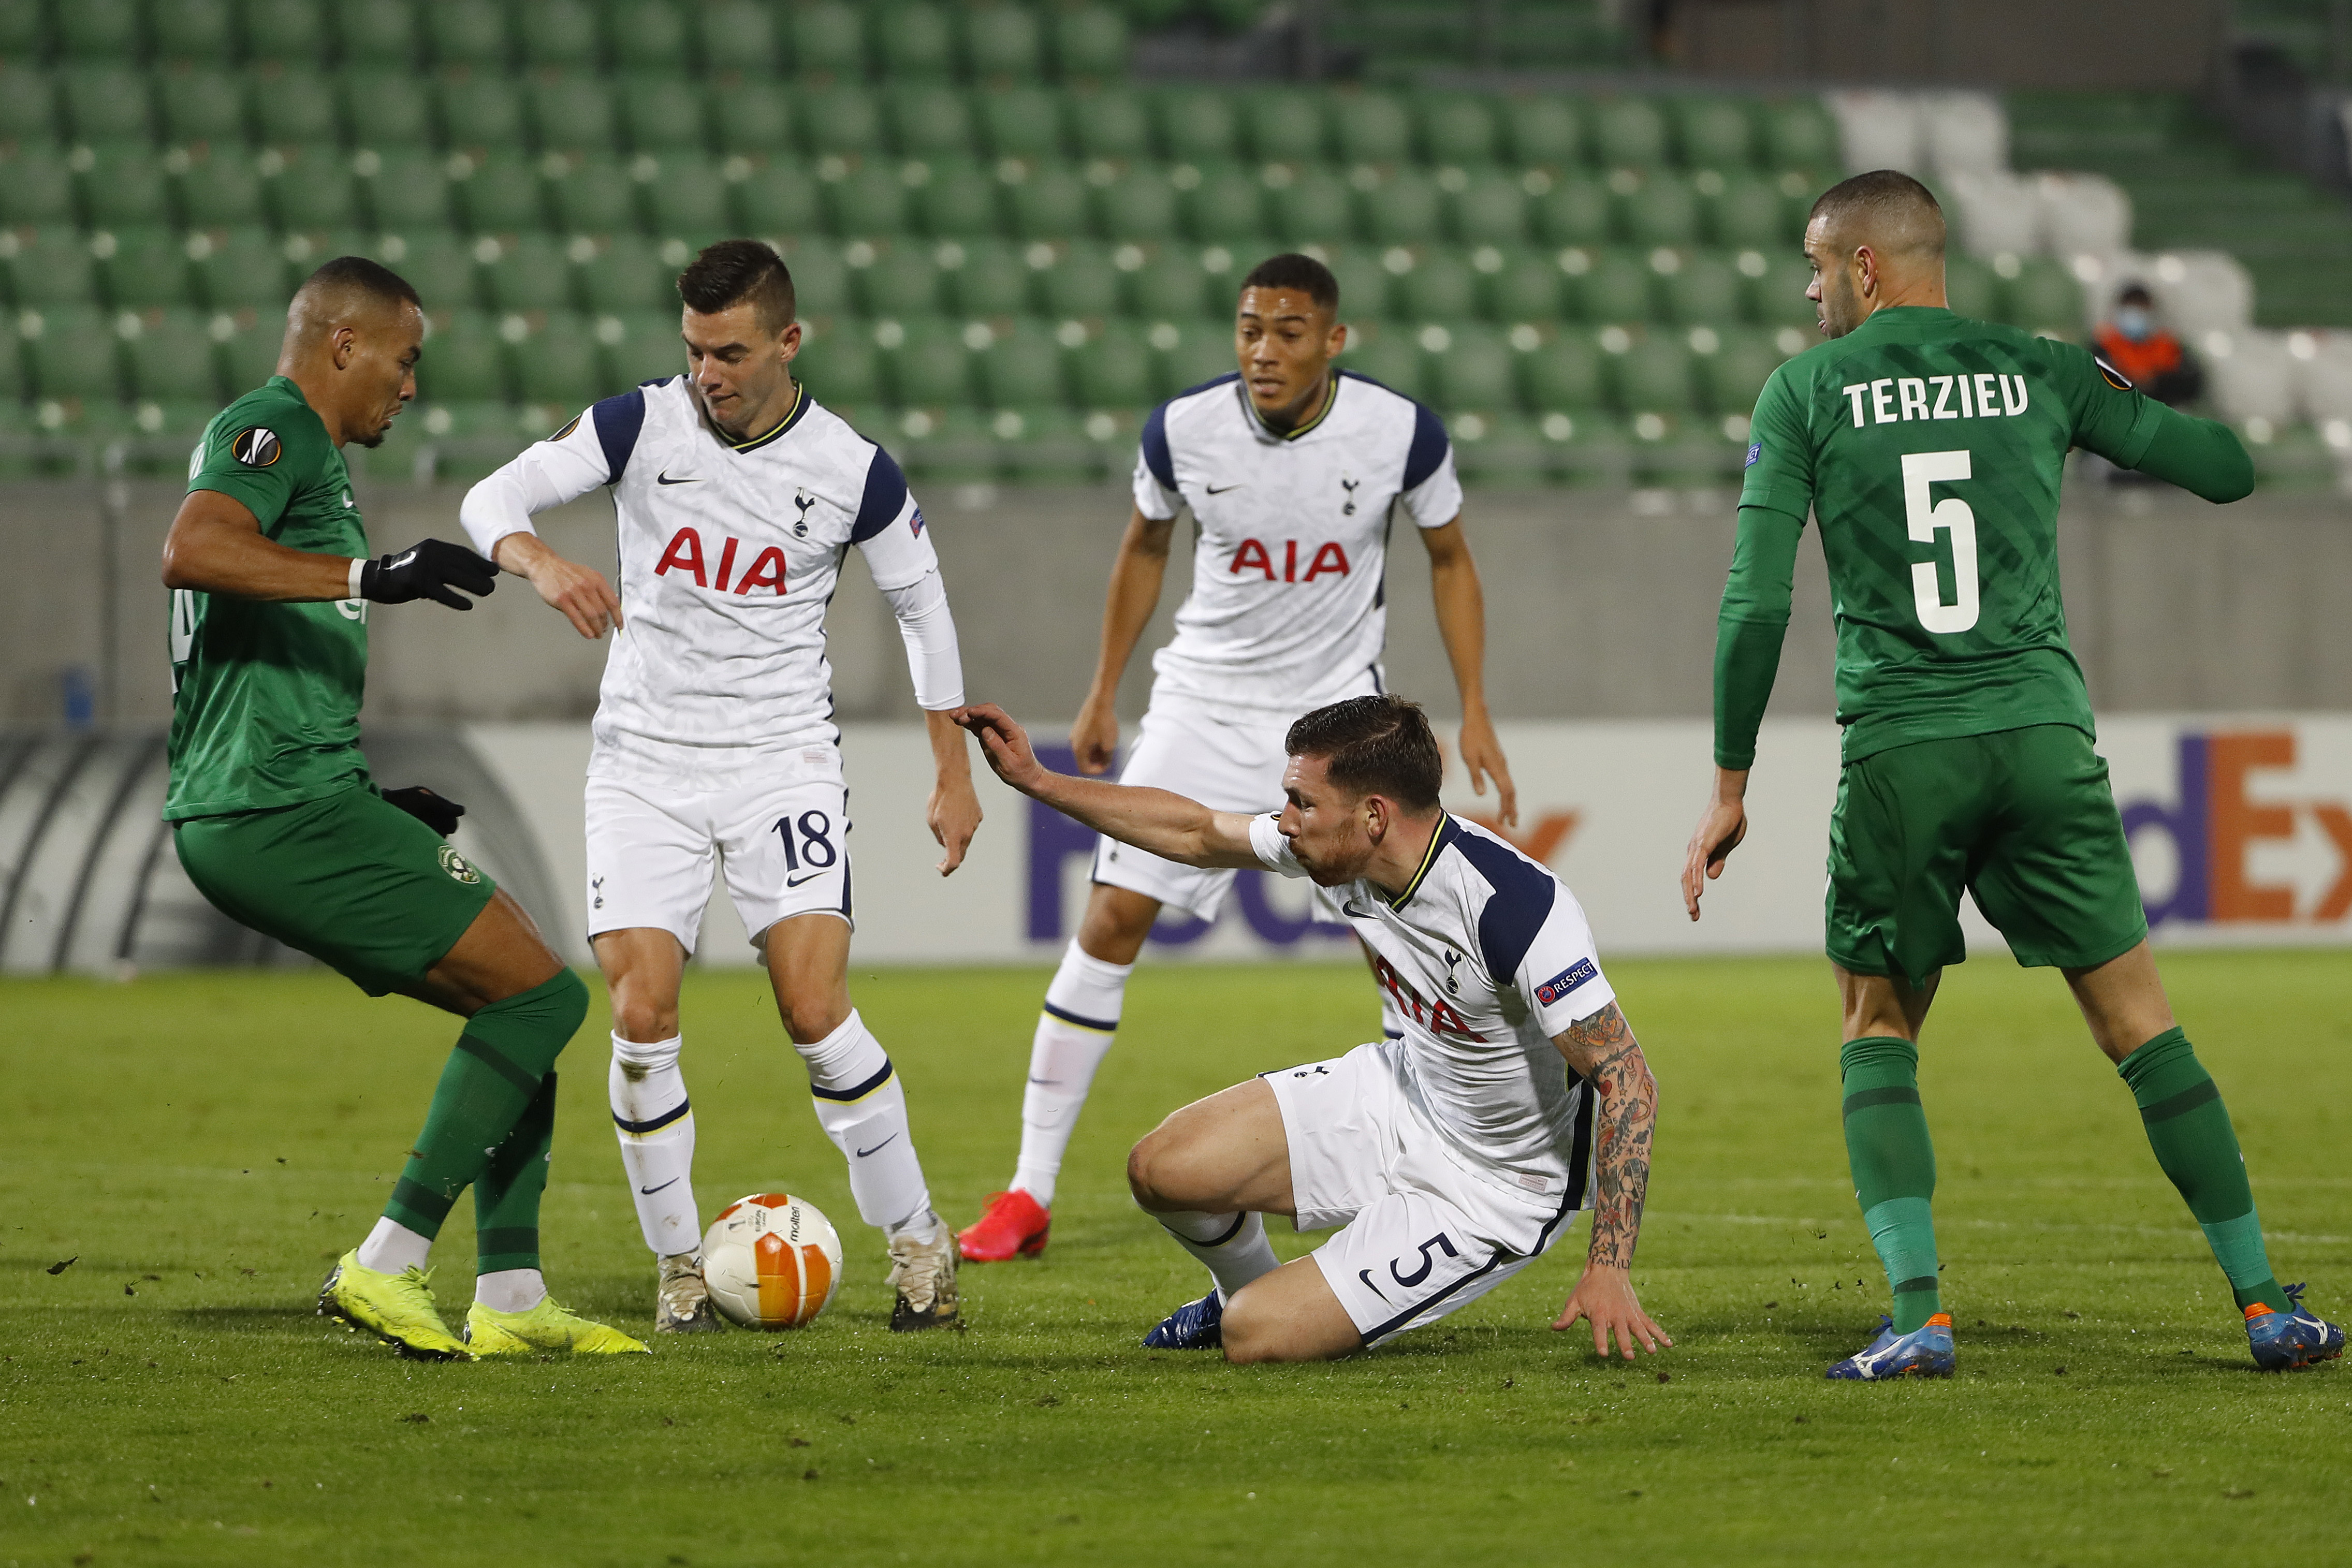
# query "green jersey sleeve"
(2131, 429)
(1779, 475)
(260, 457)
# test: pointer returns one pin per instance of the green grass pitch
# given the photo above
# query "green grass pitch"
(201, 1145)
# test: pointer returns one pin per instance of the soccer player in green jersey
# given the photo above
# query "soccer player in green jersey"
(278, 824)
(1931, 447)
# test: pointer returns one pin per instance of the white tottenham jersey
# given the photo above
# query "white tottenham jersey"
(1288, 608)
(1487, 956)
(729, 554)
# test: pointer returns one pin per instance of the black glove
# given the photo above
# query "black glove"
(427, 808)
(428, 570)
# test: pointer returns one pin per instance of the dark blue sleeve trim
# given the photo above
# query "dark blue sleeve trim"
(618, 421)
(1428, 448)
(885, 499)
(1155, 449)
(1521, 903)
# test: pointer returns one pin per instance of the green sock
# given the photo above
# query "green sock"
(490, 1079)
(2189, 1129)
(1894, 1165)
(505, 1197)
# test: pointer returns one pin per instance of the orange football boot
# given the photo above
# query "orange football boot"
(1013, 1225)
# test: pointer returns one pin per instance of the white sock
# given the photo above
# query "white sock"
(654, 1122)
(862, 1107)
(1074, 1034)
(1234, 1246)
(391, 1247)
(511, 1290)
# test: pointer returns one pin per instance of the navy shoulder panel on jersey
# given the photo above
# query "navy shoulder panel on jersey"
(618, 421)
(1156, 456)
(885, 497)
(1521, 903)
(1428, 449)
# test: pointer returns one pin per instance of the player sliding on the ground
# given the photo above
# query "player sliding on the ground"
(1931, 447)
(737, 497)
(277, 824)
(1451, 1158)
(1294, 470)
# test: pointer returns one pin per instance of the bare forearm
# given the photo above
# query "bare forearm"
(950, 754)
(1155, 821)
(1136, 577)
(1603, 1050)
(216, 556)
(1461, 605)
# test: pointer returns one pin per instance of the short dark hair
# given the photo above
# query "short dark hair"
(357, 274)
(734, 270)
(2134, 291)
(1302, 274)
(1889, 203)
(1374, 745)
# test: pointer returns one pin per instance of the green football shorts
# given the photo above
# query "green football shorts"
(360, 886)
(2022, 819)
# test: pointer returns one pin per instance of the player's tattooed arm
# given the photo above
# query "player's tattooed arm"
(1603, 1052)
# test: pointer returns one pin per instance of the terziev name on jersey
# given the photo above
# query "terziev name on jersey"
(1894, 399)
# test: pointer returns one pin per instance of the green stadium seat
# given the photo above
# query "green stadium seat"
(641, 345)
(249, 352)
(982, 278)
(1048, 201)
(1372, 128)
(1309, 206)
(663, 114)
(1628, 133)
(479, 110)
(499, 191)
(1651, 374)
(48, 265)
(438, 264)
(1112, 369)
(914, 42)
(1569, 209)
(1500, 448)
(1490, 208)
(1364, 281)
(929, 119)
(525, 272)
(777, 198)
(573, 114)
(24, 36)
(36, 187)
(97, 30)
(221, 185)
(1082, 278)
(1391, 354)
(761, 121)
(1798, 133)
(1731, 378)
(839, 119)
(1459, 128)
(1110, 123)
(1197, 123)
(957, 201)
(71, 351)
(1743, 209)
(1662, 209)
(471, 33)
(234, 269)
(590, 193)
(199, 32)
(1777, 296)
(171, 356)
(294, 108)
(651, 36)
(1715, 132)
(1193, 353)
(314, 188)
(1046, 445)
(1470, 367)
(123, 182)
(1971, 287)
(141, 267)
(105, 102)
(1440, 285)
(1020, 366)
(870, 200)
(1543, 132)
(28, 106)
(1003, 42)
(560, 34)
(901, 281)
(820, 275)
(200, 106)
(1140, 206)
(377, 35)
(840, 367)
(926, 364)
(1089, 43)
(1170, 286)
(1528, 287)
(623, 274)
(2045, 298)
(390, 109)
(560, 365)
(1020, 122)
(465, 358)
(954, 445)
(1284, 126)
(1406, 208)
(828, 41)
(285, 32)
(1698, 286)
(1615, 289)
(1225, 205)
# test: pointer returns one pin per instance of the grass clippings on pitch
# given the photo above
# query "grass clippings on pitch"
(196, 1148)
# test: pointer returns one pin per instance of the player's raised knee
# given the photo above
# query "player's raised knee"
(1257, 1328)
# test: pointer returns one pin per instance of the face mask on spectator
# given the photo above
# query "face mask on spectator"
(2134, 322)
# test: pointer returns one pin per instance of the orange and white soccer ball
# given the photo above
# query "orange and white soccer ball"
(772, 1262)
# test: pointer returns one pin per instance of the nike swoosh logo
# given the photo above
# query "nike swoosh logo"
(649, 1191)
(878, 1147)
(1221, 490)
(1349, 908)
(662, 479)
(796, 881)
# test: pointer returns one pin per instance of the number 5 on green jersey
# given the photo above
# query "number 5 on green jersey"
(1921, 469)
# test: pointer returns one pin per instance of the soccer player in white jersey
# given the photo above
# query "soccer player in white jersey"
(737, 498)
(1452, 1157)
(1293, 469)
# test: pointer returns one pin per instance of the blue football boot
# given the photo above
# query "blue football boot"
(1924, 1351)
(1200, 1325)
(2284, 1341)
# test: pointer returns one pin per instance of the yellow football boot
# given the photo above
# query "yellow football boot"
(396, 1308)
(546, 1326)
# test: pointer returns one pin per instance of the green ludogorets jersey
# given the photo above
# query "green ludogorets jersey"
(266, 697)
(1929, 448)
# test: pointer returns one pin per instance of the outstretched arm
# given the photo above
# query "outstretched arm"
(1461, 622)
(1167, 825)
(1135, 579)
(216, 545)
(1601, 1051)
(497, 516)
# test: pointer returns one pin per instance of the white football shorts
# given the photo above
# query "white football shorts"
(1421, 1233)
(1225, 762)
(782, 843)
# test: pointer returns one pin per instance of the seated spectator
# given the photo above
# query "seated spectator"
(2148, 355)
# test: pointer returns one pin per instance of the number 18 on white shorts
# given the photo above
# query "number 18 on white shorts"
(782, 843)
